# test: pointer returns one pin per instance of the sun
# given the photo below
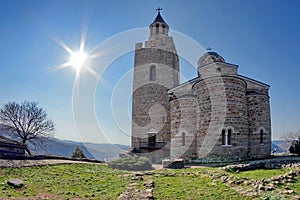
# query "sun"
(77, 59)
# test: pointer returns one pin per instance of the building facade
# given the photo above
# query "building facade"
(217, 116)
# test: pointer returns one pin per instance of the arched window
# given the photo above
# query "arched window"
(183, 139)
(229, 137)
(223, 137)
(152, 73)
(261, 133)
(226, 137)
(157, 28)
(164, 29)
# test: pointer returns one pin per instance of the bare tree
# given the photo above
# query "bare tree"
(27, 120)
(291, 136)
(292, 141)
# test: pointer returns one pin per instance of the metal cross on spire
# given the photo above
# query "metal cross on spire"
(158, 9)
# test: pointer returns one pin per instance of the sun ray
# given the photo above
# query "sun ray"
(93, 72)
(83, 37)
(61, 43)
(60, 66)
(96, 55)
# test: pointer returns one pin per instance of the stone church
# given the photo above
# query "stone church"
(219, 115)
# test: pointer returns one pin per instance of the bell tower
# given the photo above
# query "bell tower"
(156, 69)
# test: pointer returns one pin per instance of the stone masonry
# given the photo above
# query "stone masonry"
(217, 116)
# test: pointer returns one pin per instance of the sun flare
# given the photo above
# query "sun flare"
(77, 59)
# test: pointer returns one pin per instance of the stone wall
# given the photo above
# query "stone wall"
(183, 127)
(150, 101)
(222, 105)
(259, 120)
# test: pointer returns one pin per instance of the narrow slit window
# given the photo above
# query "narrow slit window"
(229, 137)
(223, 137)
(261, 136)
(226, 137)
(152, 73)
(183, 139)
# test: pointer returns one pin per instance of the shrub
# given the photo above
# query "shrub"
(295, 147)
(132, 163)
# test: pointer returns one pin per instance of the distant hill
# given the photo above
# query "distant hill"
(281, 146)
(54, 146)
(66, 148)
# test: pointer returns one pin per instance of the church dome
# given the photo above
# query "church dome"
(210, 57)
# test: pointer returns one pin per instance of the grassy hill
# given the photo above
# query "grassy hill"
(94, 181)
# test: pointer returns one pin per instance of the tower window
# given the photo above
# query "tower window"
(152, 73)
(183, 139)
(164, 29)
(226, 137)
(261, 133)
(157, 28)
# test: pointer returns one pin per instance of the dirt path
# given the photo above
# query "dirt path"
(28, 163)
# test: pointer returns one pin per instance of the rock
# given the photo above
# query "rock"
(149, 173)
(289, 191)
(289, 181)
(231, 182)
(136, 178)
(292, 173)
(173, 164)
(261, 187)
(239, 182)
(149, 190)
(149, 184)
(270, 188)
(224, 179)
(289, 177)
(247, 182)
(15, 182)
(130, 188)
(124, 196)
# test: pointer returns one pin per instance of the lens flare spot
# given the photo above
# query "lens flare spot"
(77, 59)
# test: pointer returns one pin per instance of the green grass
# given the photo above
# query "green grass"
(93, 181)
(259, 174)
(86, 181)
(192, 187)
(295, 186)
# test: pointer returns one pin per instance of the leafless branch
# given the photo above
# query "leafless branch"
(27, 120)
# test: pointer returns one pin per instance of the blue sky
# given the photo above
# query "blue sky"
(262, 37)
